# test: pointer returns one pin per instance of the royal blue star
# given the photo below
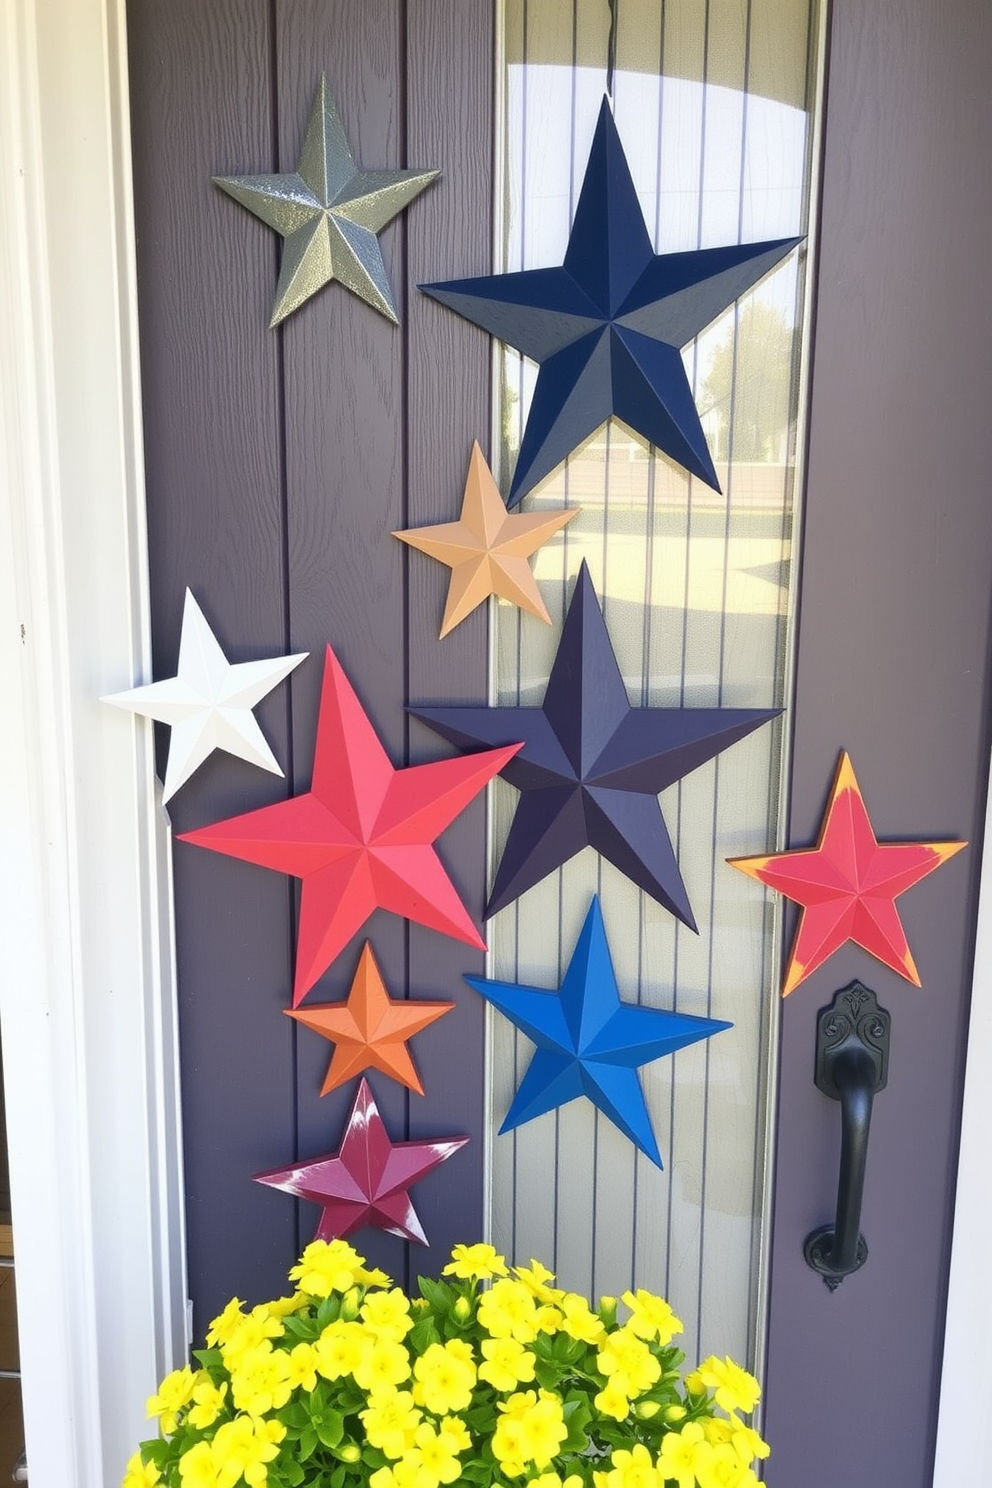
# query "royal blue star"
(588, 1041)
(591, 767)
(608, 326)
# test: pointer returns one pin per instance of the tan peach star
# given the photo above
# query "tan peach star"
(487, 548)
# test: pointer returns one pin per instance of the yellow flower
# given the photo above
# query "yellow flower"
(552, 1480)
(651, 1317)
(432, 1457)
(284, 1306)
(226, 1322)
(261, 1383)
(508, 1364)
(208, 1401)
(509, 1310)
(390, 1421)
(628, 1363)
(140, 1474)
(175, 1391)
(387, 1314)
(531, 1428)
(633, 1469)
(339, 1349)
(612, 1401)
(242, 1447)
(734, 1388)
(455, 1432)
(382, 1366)
(579, 1321)
(537, 1278)
(198, 1467)
(251, 1334)
(685, 1456)
(475, 1263)
(371, 1276)
(445, 1374)
(724, 1469)
(745, 1440)
(327, 1266)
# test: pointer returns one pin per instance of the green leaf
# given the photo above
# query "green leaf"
(577, 1415)
(328, 1311)
(307, 1445)
(437, 1294)
(338, 1477)
(301, 1327)
(329, 1428)
(293, 1473)
(547, 1374)
(209, 1358)
(423, 1334)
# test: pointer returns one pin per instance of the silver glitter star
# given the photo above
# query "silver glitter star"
(329, 212)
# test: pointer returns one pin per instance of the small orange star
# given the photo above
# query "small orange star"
(370, 1028)
(487, 548)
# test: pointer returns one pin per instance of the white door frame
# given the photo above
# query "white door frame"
(87, 1000)
(87, 1006)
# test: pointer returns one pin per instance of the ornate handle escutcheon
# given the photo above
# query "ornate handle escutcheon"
(852, 1063)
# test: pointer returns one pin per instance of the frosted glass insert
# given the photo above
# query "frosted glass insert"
(711, 106)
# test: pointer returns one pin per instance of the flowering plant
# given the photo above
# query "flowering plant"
(493, 1378)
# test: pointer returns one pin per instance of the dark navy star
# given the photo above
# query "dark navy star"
(608, 326)
(588, 1041)
(591, 767)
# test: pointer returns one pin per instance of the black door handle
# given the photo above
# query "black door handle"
(852, 1063)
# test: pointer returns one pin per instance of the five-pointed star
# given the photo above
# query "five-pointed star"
(608, 326)
(366, 1181)
(487, 549)
(329, 212)
(370, 1028)
(848, 884)
(591, 766)
(361, 837)
(208, 702)
(588, 1041)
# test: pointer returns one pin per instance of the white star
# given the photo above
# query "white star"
(208, 703)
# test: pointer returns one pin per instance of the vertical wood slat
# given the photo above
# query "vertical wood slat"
(210, 384)
(450, 113)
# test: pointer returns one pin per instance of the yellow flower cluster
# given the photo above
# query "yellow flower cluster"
(498, 1368)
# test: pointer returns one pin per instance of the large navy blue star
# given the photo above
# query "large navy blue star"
(591, 767)
(588, 1041)
(607, 327)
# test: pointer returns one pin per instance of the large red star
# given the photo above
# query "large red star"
(361, 837)
(366, 1181)
(370, 1029)
(848, 885)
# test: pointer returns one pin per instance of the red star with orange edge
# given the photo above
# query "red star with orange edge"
(371, 1028)
(366, 1181)
(848, 885)
(362, 837)
(487, 548)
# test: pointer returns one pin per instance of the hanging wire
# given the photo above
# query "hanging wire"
(611, 49)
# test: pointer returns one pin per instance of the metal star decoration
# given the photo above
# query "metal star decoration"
(487, 549)
(847, 885)
(370, 1028)
(208, 702)
(588, 1041)
(366, 1181)
(362, 837)
(608, 326)
(591, 767)
(329, 212)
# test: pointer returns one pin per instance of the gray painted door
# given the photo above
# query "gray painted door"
(277, 465)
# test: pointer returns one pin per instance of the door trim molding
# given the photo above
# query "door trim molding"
(964, 1423)
(87, 1001)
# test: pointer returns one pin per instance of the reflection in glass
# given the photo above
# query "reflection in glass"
(711, 106)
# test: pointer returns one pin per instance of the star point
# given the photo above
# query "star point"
(362, 837)
(370, 1029)
(588, 1042)
(367, 1181)
(487, 548)
(847, 885)
(329, 213)
(208, 703)
(608, 326)
(591, 766)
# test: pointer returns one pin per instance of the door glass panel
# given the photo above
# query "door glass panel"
(712, 103)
